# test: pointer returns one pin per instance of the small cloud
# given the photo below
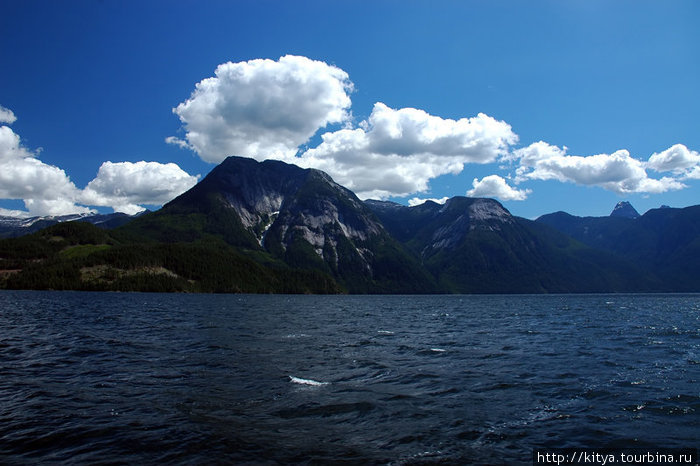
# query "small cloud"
(693, 174)
(677, 159)
(418, 201)
(7, 116)
(177, 142)
(11, 147)
(495, 186)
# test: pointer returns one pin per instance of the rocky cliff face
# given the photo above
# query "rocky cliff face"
(324, 213)
(432, 227)
(475, 245)
(300, 216)
(279, 204)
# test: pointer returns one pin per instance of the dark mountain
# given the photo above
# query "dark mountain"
(624, 209)
(597, 232)
(664, 241)
(12, 227)
(476, 245)
(300, 218)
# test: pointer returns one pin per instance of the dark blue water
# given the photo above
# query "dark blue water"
(132, 378)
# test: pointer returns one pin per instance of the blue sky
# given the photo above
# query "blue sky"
(546, 105)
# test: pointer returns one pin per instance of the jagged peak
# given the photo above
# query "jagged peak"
(624, 209)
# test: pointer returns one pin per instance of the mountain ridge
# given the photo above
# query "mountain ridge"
(665, 241)
(274, 227)
(294, 216)
(12, 227)
(476, 245)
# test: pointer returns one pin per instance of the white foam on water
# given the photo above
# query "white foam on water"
(385, 332)
(313, 383)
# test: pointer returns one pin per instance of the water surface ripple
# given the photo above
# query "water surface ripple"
(130, 378)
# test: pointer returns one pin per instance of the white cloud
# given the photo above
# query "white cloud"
(495, 186)
(268, 109)
(60, 206)
(7, 116)
(124, 186)
(13, 213)
(418, 201)
(263, 108)
(397, 152)
(617, 172)
(10, 146)
(177, 142)
(677, 159)
(31, 178)
(530, 155)
(410, 131)
(693, 174)
(45, 189)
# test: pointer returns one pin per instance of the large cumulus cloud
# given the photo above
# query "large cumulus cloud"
(263, 108)
(396, 152)
(269, 109)
(272, 108)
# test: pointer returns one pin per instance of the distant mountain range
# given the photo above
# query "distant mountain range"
(12, 227)
(665, 241)
(272, 227)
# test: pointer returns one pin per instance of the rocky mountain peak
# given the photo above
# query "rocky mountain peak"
(439, 227)
(488, 209)
(287, 210)
(624, 209)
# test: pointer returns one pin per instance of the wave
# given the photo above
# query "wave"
(314, 383)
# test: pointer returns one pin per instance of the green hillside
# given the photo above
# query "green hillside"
(80, 256)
